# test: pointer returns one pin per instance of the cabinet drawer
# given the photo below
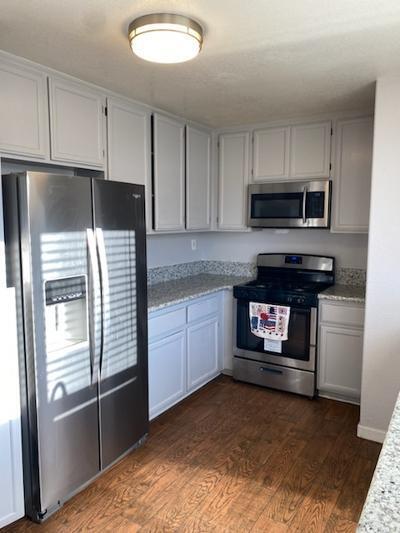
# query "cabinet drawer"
(345, 314)
(163, 324)
(202, 309)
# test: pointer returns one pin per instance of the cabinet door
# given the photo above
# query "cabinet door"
(169, 174)
(11, 479)
(310, 150)
(202, 350)
(23, 111)
(340, 361)
(271, 154)
(76, 123)
(352, 175)
(198, 213)
(129, 146)
(233, 180)
(167, 372)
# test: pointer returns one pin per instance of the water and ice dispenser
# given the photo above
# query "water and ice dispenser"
(66, 312)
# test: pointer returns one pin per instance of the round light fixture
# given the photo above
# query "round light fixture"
(165, 38)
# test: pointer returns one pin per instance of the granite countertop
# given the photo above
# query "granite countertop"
(180, 290)
(344, 293)
(381, 512)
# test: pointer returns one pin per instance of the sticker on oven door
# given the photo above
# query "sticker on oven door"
(272, 346)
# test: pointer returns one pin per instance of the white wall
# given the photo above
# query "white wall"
(381, 356)
(349, 250)
(2, 249)
(165, 250)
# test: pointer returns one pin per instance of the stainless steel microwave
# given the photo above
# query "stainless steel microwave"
(301, 204)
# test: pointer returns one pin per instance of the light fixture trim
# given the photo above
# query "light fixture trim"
(184, 28)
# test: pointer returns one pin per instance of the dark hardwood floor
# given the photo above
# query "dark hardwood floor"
(233, 457)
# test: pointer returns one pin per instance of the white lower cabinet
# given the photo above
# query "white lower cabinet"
(167, 372)
(340, 350)
(185, 350)
(202, 343)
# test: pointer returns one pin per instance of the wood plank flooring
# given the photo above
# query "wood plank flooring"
(232, 458)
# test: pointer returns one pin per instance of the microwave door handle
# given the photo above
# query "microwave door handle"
(304, 204)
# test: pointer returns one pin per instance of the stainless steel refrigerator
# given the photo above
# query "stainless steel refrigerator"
(76, 253)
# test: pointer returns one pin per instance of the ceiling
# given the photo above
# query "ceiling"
(261, 60)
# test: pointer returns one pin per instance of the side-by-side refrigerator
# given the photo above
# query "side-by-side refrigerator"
(76, 253)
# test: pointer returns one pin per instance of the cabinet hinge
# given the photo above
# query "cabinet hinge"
(330, 166)
(105, 110)
(331, 132)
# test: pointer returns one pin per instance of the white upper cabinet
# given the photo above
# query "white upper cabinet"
(233, 180)
(77, 123)
(352, 175)
(129, 146)
(128, 135)
(310, 150)
(198, 180)
(23, 111)
(169, 174)
(271, 154)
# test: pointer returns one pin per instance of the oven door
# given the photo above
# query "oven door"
(297, 352)
(290, 205)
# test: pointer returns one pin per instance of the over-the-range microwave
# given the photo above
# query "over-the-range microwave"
(301, 204)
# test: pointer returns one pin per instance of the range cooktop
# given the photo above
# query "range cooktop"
(288, 279)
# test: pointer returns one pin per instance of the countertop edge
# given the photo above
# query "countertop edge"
(194, 296)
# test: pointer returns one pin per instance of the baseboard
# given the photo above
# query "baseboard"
(365, 432)
(227, 371)
(337, 398)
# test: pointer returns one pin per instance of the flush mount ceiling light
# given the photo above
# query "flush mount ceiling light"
(165, 38)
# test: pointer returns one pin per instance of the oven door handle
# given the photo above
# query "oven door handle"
(270, 370)
(304, 204)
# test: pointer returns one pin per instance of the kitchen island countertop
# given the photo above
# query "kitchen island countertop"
(381, 512)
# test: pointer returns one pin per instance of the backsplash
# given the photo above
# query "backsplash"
(351, 276)
(344, 276)
(183, 270)
(167, 273)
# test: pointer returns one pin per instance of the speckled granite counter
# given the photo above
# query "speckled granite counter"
(348, 293)
(381, 512)
(180, 290)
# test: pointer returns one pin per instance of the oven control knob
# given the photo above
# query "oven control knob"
(300, 300)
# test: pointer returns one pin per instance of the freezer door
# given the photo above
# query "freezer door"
(120, 234)
(58, 290)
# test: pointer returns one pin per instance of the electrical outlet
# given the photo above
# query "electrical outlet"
(194, 244)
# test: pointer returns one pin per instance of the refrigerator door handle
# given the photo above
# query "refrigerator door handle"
(95, 302)
(105, 287)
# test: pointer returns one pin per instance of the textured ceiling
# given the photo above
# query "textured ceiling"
(262, 59)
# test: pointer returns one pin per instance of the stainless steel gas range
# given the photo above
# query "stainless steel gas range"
(291, 280)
